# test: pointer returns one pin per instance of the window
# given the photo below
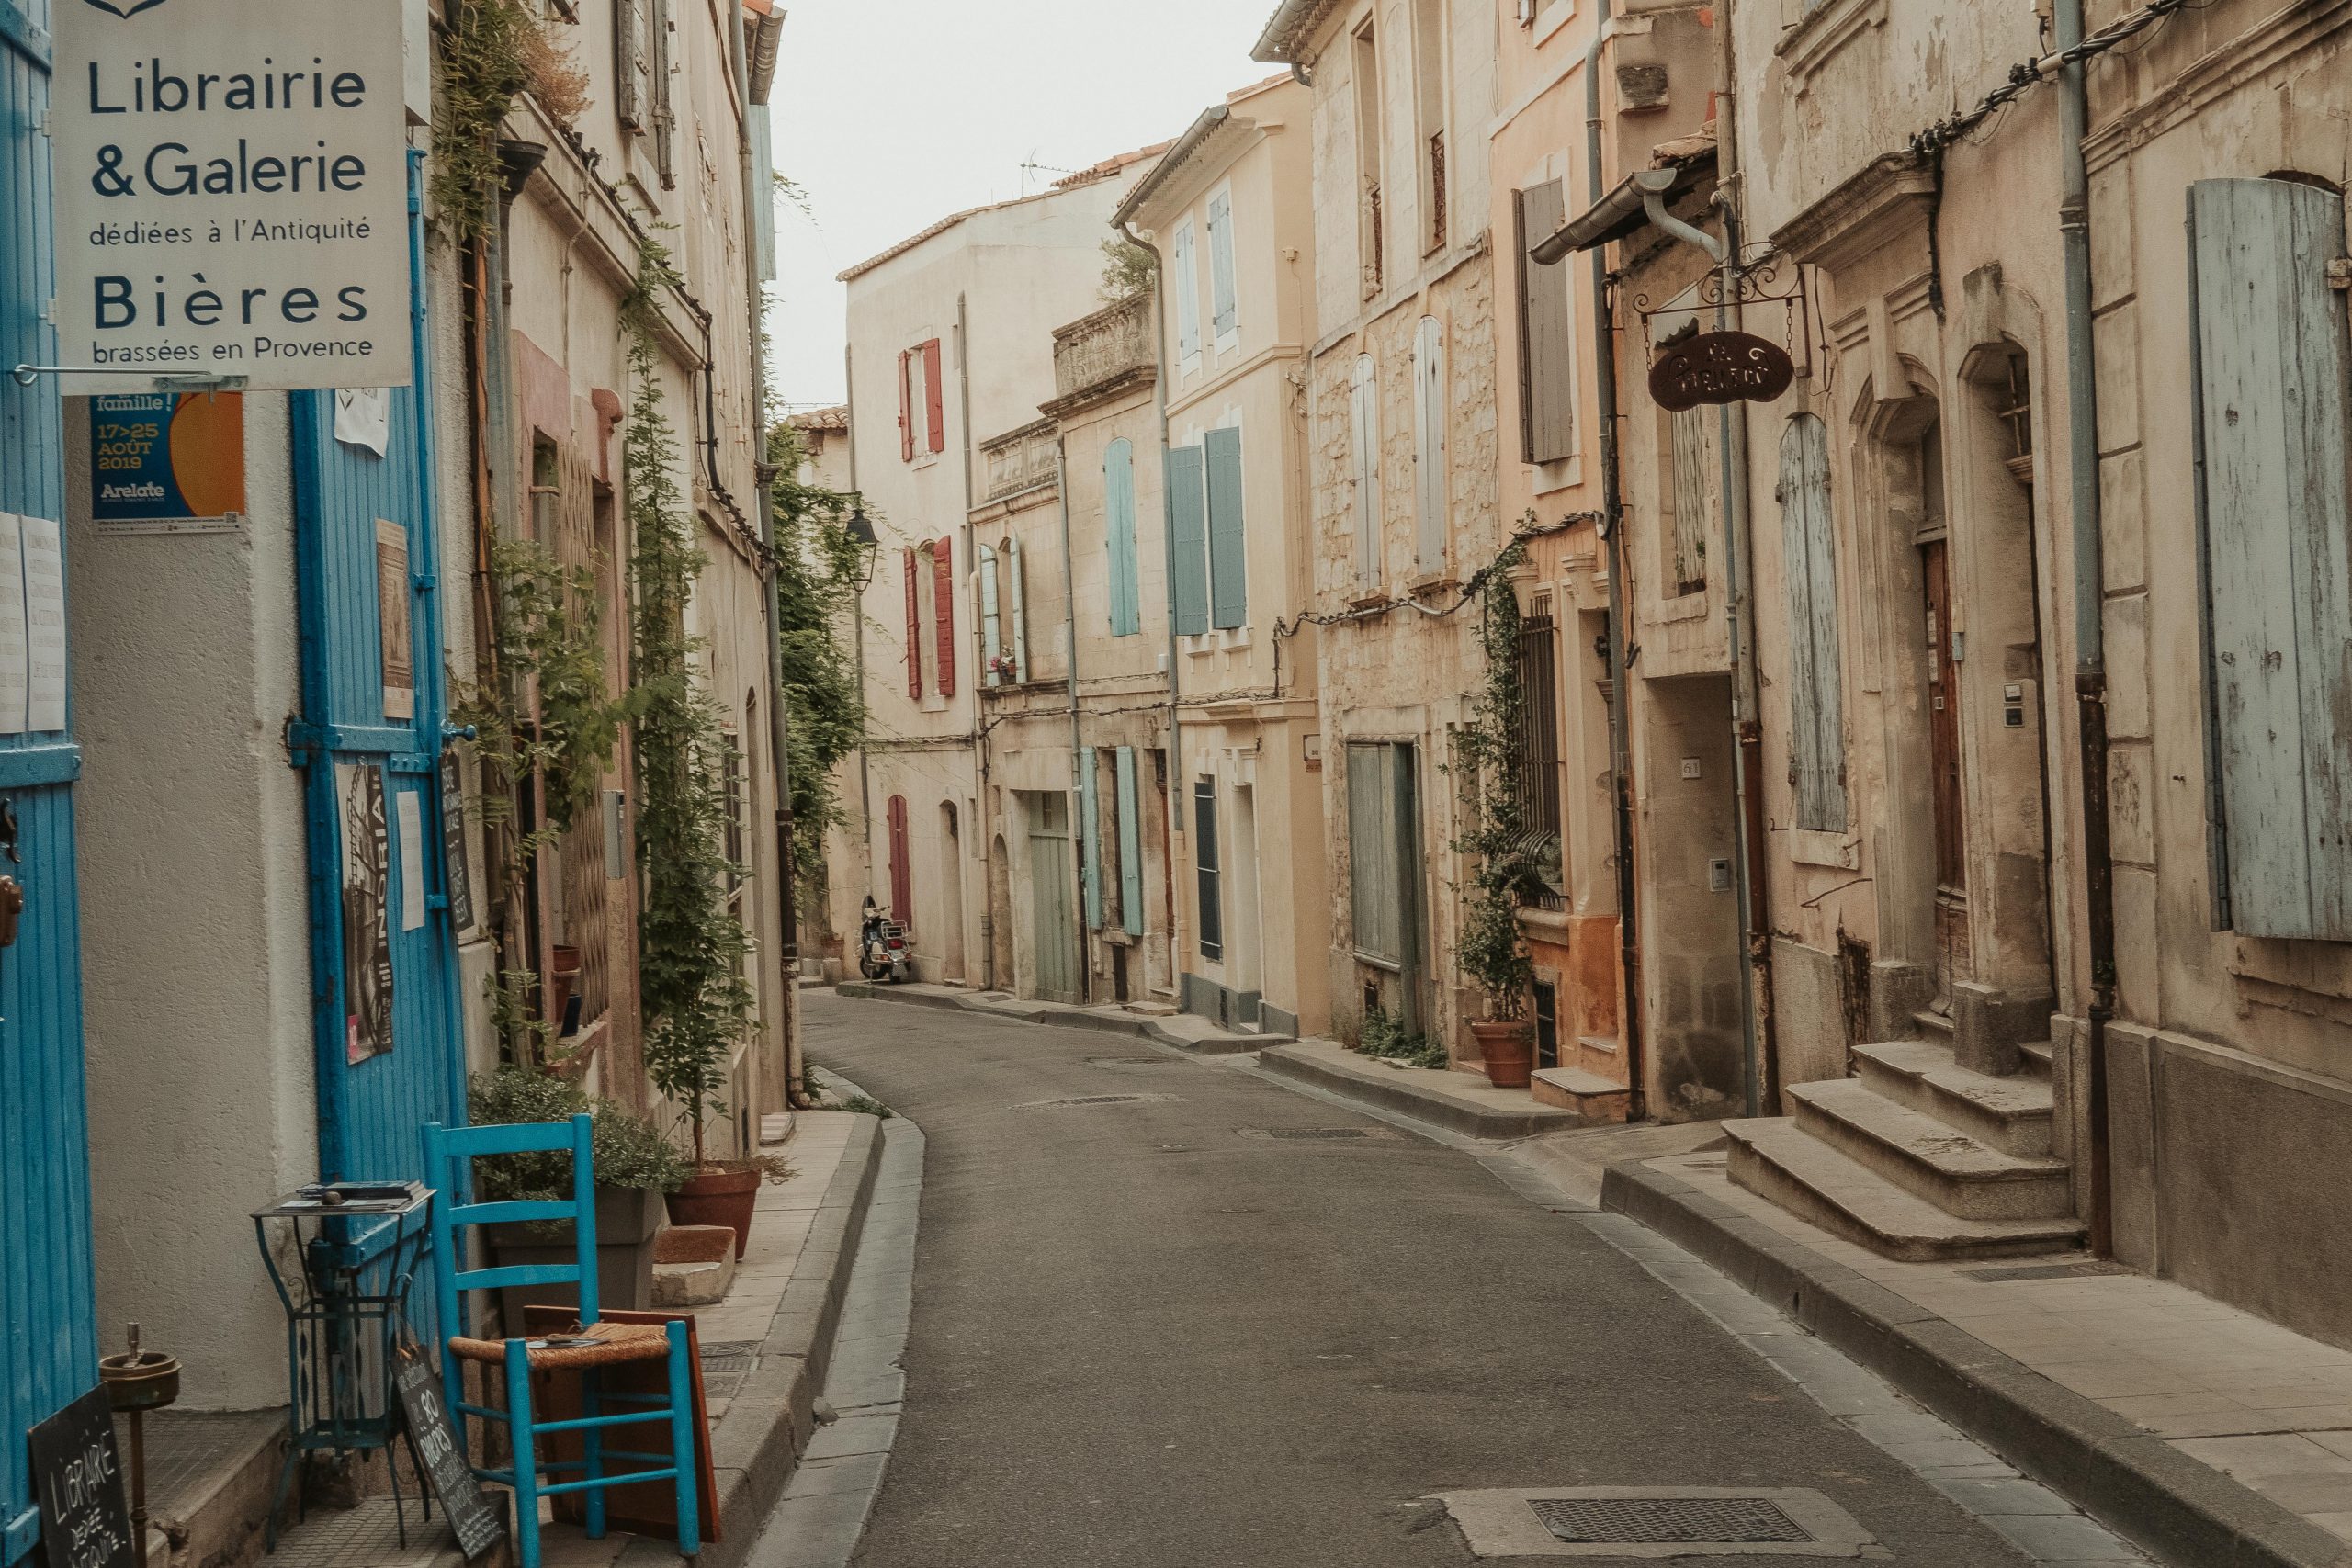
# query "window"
(641, 44)
(902, 895)
(1690, 453)
(1188, 587)
(1547, 383)
(1364, 411)
(942, 612)
(914, 620)
(1119, 526)
(1370, 240)
(995, 671)
(2268, 369)
(922, 409)
(1429, 447)
(1205, 864)
(1809, 566)
(1224, 321)
(1229, 558)
(1538, 745)
(1429, 117)
(734, 784)
(1185, 278)
(1383, 856)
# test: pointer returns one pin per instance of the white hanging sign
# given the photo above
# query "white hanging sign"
(232, 191)
(44, 557)
(12, 625)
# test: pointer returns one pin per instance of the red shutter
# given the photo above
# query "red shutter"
(934, 395)
(914, 629)
(943, 610)
(902, 892)
(905, 410)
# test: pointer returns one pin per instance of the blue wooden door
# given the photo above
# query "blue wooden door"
(48, 1339)
(368, 555)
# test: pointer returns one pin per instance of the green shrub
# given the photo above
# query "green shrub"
(629, 1151)
(1385, 1035)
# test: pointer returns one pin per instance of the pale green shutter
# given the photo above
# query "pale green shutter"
(1130, 845)
(1221, 284)
(2271, 356)
(1119, 518)
(1228, 559)
(1090, 838)
(1188, 588)
(1809, 571)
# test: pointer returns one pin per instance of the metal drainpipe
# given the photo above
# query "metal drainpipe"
(1725, 256)
(981, 660)
(1077, 752)
(763, 500)
(857, 623)
(2090, 636)
(1629, 1025)
(1173, 794)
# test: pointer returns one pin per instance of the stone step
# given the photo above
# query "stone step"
(2037, 1059)
(1957, 1173)
(1936, 1026)
(1776, 1159)
(1590, 1096)
(2011, 1113)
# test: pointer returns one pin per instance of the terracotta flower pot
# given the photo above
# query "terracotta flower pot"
(718, 1198)
(1509, 1051)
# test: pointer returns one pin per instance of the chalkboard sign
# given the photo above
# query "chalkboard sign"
(85, 1523)
(478, 1523)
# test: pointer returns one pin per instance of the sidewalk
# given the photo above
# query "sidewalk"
(2207, 1435)
(1459, 1102)
(1184, 1030)
(766, 1348)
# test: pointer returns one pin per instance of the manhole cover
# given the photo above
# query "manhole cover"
(1682, 1520)
(1081, 1101)
(725, 1363)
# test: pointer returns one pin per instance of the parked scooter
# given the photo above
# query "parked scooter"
(882, 951)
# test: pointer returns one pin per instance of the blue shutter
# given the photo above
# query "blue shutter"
(1228, 561)
(1119, 516)
(1809, 569)
(2275, 537)
(1090, 839)
(1188, 588)
(1130, 845)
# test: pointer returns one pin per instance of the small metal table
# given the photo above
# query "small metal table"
(357, 1245)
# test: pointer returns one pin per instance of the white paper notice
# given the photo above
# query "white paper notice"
(44, 557)
(12, 625)
(363, 418)
(412, 813)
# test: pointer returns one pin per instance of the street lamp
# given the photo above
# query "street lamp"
(869, 548)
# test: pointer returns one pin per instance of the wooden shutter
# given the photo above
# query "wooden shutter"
(1130, 845)
(914, 625)
(1229, 553)
(664, 108)
(1090, 839)
(943, 610)
(1221, 281)
(906, 407)
(630, 66)
(934, 398)
(1694, 489)
(1119, 525)
(1374, 876)
(1208, 868)
(1429, 447)
(1019, 580)
(1809, 569)
(902, 890)
(1363, 411)
(2271, 359)
(1188, 539)
(1548, 401)
(991, 616)
(1184, 276)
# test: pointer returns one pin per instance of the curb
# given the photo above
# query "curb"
(1060, 1017)
(1371, 1087)
(2180, 1510)
(757, 1444)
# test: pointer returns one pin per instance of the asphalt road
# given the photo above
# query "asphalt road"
(1147, 1334)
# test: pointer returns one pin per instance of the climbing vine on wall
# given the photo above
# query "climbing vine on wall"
(694, 1002)
(1485, 764)
(493, 51)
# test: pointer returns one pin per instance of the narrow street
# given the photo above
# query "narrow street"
(1148, 1332)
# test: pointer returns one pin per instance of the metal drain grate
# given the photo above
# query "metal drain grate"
(1316, 1133)
(1130, 1061)
(725, 1364)
(1086, 1100)
(2085, 1270)
(1627, 1521)
(1322, 1134)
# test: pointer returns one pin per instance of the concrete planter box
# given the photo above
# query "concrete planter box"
(627, 1219)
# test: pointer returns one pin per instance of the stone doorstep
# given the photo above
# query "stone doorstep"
(1592, 1097)
(2182, 1511)
(1458, 1102)
(210, 1479)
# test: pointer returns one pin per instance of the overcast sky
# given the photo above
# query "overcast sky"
(895, 113)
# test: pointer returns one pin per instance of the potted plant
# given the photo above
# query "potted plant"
(636, 1167)
(1489, 950)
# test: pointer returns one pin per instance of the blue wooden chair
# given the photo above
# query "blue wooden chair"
(448, 1151)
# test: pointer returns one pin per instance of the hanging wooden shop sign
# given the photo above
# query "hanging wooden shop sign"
(1720, 368)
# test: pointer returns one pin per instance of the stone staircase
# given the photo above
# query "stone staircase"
(1919, 1158)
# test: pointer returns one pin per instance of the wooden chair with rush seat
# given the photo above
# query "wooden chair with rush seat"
(447, 1154)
